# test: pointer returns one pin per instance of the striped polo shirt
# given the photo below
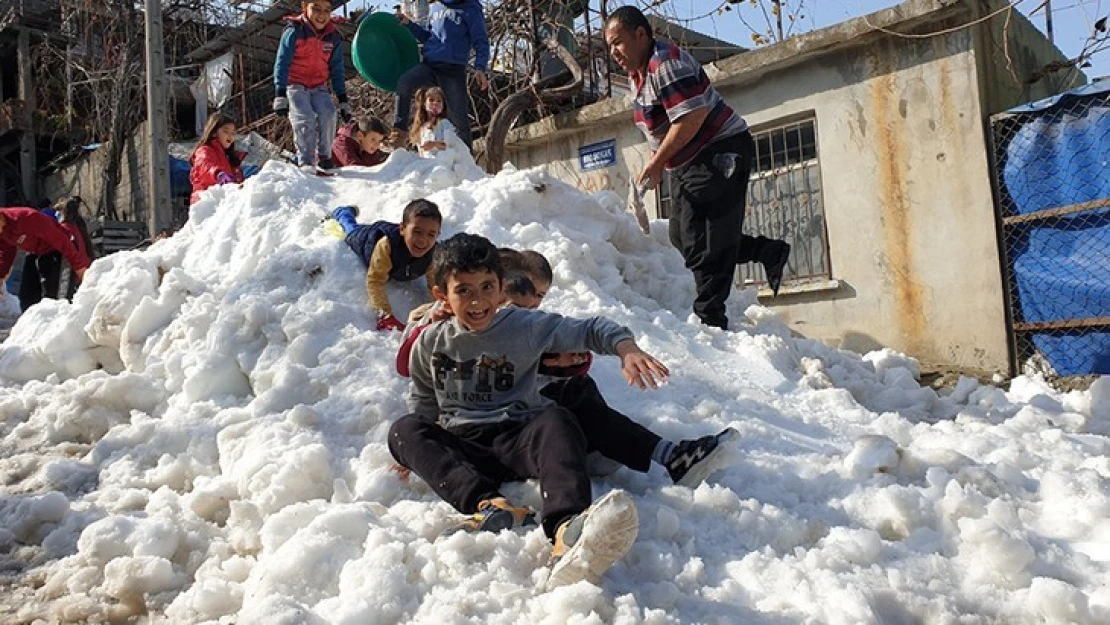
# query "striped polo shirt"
(676, 84)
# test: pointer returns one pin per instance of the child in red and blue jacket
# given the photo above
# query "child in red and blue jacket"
(309, 56)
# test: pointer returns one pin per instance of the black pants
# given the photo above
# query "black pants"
(607, 431)
(707, 222)
(41, 275)
(469, 464)
(757, 250)
(447, 76)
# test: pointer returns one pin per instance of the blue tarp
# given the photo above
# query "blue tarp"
(1059, 156)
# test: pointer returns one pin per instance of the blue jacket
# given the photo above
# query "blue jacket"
(404, 266)
(309, 58)
(455, 27)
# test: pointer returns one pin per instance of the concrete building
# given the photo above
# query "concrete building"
(873, 164)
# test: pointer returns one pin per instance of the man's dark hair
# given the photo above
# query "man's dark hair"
(519, 284)
(372, 124)
(465, 253)
(630, 18)
(536, 264)
(421, 208)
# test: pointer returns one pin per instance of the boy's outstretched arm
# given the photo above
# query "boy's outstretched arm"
(639, 367)
(377, 274)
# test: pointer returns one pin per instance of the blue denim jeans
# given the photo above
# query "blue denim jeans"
(449, 77)
(312, 114)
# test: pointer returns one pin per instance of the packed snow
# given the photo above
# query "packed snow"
(200, 437)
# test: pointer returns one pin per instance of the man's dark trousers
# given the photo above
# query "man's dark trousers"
(707, 221)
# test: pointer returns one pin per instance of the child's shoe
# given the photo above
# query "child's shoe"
(498, 514)
(587, 544)
(691, 461)
(325, 163)
(338, 211)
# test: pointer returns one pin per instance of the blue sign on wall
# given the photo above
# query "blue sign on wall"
(598, 155)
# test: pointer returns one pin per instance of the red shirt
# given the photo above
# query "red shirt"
(75, 236)
(209, 161)
(29, 230)
(346, 150)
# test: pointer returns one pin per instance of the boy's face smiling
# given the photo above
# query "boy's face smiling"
(370, 141)
(318, 13)
(420, 234)
(473, 297)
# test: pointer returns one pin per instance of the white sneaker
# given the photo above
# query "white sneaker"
(587, 544)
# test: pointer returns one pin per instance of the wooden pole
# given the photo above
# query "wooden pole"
(27, 155)
(158, 159)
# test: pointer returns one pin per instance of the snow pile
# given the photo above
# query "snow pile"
(199, 437)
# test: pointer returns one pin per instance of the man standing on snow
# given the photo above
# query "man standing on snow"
(708, 151)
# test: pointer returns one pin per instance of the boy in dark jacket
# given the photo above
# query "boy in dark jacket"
(359, 143)
(401, 252)
(478, 418)
(455, 27)
(309, 55)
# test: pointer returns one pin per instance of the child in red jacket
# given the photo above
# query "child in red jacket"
(215, 160)
(359, 143)
(45, 242)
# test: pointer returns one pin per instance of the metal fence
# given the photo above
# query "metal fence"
(1052, 175)
(784, 202)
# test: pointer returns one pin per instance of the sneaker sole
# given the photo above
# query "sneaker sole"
(608, 534)
(702, 470)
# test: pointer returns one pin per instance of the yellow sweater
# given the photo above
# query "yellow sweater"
(378, 274)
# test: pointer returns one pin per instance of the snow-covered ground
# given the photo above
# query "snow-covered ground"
(199, 437)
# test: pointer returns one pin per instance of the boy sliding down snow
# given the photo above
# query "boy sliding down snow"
(401, 252)
(565, 379)
(478, 419)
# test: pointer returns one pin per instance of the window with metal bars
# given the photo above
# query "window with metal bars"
(784, 200)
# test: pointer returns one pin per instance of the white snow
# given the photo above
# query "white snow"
(199, 437)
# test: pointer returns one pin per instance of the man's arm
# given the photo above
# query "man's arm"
(681, 132)
(479, 41)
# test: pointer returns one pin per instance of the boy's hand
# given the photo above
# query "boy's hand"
(483, 82)
(639, 367)
(389, 322)
(281, 106)
(345, 112)
(440, 314)
(402, 471)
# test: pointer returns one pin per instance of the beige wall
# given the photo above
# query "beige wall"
(907, 200)
(84, 178)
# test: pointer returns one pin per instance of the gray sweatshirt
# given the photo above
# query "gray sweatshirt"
(462, 377)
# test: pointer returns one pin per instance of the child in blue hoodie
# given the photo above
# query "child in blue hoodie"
(455, 27)
(309, 56)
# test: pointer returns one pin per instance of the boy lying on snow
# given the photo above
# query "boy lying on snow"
(401, 252)
(479, 420)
